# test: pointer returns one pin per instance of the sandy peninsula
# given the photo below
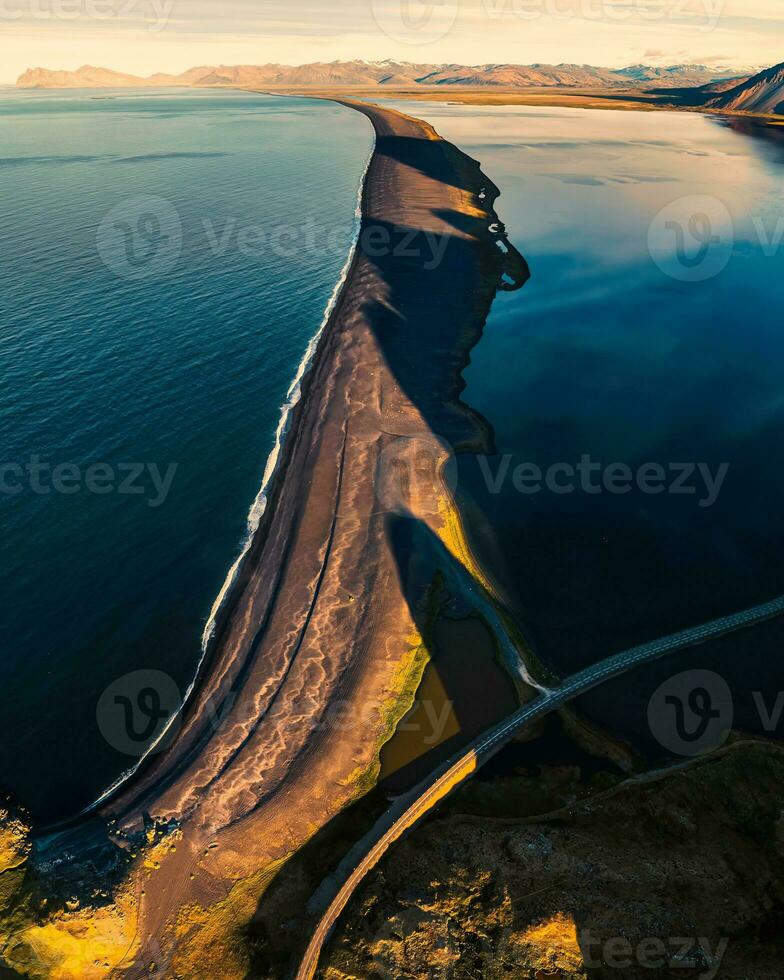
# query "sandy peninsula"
(319, 651)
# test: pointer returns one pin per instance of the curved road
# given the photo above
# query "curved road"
(409, 809)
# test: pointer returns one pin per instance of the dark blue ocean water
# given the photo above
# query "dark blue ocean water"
(165, 259)
(632, 346)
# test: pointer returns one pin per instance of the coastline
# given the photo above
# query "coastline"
(323, 612)
(206, 824)
(629, 100)
(294, 413)
(642, 98)
(293, 397)
(310, 400)
(275, 461)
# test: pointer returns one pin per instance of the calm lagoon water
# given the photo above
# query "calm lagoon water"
(165, 259)
(628, 351)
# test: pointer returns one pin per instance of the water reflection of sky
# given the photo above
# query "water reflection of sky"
(604, 353)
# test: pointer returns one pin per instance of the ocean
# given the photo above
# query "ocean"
(166, 260)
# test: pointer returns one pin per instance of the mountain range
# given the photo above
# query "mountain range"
(390, 73)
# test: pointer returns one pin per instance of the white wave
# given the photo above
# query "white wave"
(292, 399)
(260, 503)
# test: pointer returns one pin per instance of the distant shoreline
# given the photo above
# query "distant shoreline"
(631, 99)
(551, 96)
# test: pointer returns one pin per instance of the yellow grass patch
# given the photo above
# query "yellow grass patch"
(551, 948)
(403, 685)
(14, 840)
(211, 942)
(454, 539)
(78, 946)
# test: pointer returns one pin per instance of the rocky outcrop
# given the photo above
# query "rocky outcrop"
(681, 870)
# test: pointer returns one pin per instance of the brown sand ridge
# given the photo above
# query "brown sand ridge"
(319, 652)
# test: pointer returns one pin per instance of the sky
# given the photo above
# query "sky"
(144, 36)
